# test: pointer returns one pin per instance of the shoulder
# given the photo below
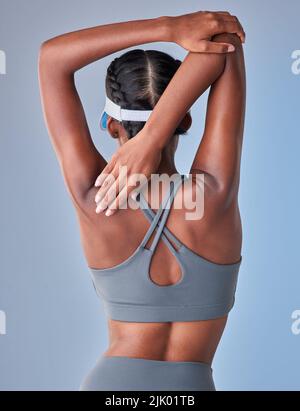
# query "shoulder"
(203, 190)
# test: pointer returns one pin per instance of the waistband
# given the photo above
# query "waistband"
(120, 373)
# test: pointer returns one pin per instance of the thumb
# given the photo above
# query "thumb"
(206, 46)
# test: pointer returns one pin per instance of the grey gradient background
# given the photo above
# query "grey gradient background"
(55, 324)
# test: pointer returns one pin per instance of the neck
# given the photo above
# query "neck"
(167, 164)
(166, 167)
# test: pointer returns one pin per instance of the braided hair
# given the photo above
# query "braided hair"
(137, 79)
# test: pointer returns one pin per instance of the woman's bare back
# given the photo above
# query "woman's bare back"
(108, 241)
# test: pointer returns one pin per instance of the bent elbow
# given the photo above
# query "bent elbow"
(49, 54)
(45, 52)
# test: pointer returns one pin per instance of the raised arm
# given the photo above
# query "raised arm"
(219, 152)
(59, 59)
(62, 56)
(140, 154)
(218, 155)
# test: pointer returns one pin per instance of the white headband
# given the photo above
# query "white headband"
(120, 114)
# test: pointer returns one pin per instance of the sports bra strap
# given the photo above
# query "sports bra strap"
(161, 216)
(167, 235)
(165, 239)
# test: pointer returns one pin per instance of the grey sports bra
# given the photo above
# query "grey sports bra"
(205, 291)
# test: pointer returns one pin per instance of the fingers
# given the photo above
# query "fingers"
(111, 195)
(119, 201)
(110, 191)
(109, 174)
(206, 46)
(115, 193)
(241, 33)
(231, 24)
(224, 22)
(108, 181)
(107, 170)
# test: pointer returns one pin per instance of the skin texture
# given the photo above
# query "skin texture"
(218, 235)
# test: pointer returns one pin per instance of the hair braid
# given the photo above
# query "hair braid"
(137, 79)
(115, 85)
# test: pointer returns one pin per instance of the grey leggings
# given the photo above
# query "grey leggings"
(118, 373)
